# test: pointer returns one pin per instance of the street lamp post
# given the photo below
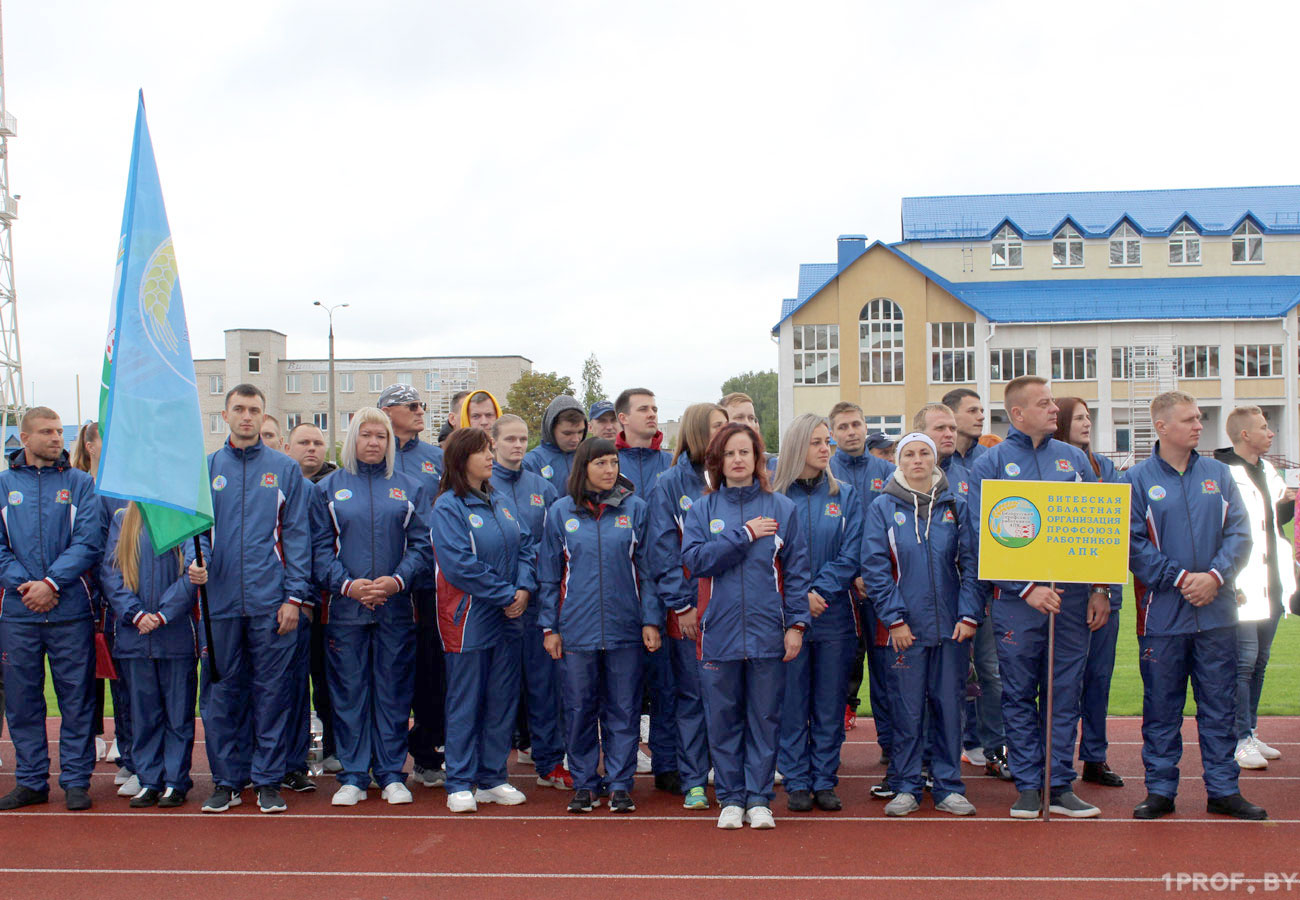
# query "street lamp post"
(329, 311)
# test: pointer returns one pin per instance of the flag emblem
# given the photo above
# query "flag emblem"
(623, 522)
(63, 496)
(396, 494)
(269, 480)
(536, 500)
(1209, 486)
(832, 509)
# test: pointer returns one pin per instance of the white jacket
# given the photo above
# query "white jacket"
(1252, 580)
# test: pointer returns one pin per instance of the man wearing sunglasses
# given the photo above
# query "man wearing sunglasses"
(421, 461)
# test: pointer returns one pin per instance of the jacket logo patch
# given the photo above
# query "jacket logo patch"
(1209, 486)
(396, 494)
(877, 484)
(571, 525)
(900, 518)
(219, 483)
(547, 471)
(716, 526)
(15, 498)
(1063, 465)
(623, 522)
(475, 520)
(427, 468)
(342, 494)
(832, 509)
(1156, 492)
(685, 502)
(963, 487)
(1009, 638)
(507, 514)
(536, 500)
(1012, 469)
(63, 496)
(270, 480)
(948, 516)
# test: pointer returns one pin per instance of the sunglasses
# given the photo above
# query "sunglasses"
(417, 407)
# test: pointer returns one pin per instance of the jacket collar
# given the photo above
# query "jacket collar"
(370, 470)
(1192, 459)
(656, 442)
(504, 474)
(18, 460)
(1020, 439)
(245, 452)
(853, 461)
(741, 494)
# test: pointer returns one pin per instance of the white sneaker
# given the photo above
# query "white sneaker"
(130, 787)
(645, 729)
(101, 749)
(1264, 749)
(643, 764)
(759, 817)
(122, 776)
(710, 775)
(524, 756)
(348, 795)
(778, 778)
(974, 756)
(506, 794)
(331, 764)
(462, 801)
(428, 777)
(731, 818)
(396, 793)
(113, 755)
(956, 804)
(902, 805)
(1248, 755)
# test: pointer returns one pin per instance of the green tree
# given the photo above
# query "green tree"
(529, 396)
(592, 391)
(761, 387)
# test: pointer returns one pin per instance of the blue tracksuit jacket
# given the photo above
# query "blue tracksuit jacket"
(643, 465)
(530, 495)
(596, 587)
(866, 473)
(423, 462)
(751, 590)
(484, 553)
(677, 491)
(259, 551)
(1195, 521)
(164, 588)
(957, 474)
(833, 529)
(53, 530)
(967, 459)
(551, 463)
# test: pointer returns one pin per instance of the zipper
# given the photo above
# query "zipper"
(929, 568)
(370, 490)
(243, 516)
(40, 522)
(1187, 507)
(600, 575)
(744, 613)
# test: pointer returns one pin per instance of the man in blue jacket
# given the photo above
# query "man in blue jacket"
(1190, 536)
(968, 411)
(564, 425)
(51, 534)
(1020, 612)
(423, 462)
(259, 560)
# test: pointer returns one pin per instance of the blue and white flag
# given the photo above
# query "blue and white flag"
(149, 404)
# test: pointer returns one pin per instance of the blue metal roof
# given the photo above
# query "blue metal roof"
(787, 307)
(813, 277)
(1215, 211)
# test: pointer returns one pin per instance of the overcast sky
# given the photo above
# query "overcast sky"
(558, 178)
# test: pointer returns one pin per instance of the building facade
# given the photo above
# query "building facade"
(1113, 296)
(297, 390)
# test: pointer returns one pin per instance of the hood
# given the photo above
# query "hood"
(553, 410)
(655, 443)
(326, 469)
(621, 490)
(922, 504)
(1231, 457)
(464, 407)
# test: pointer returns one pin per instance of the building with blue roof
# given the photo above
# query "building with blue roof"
(1112, 295)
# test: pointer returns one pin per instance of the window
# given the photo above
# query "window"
(1125, 247)
(1123, 439)
(1007, 249)
(433, 380)
(1067, 248)
(1198, 361)
(816, 354)
(1184, 246)
(1074, 364)
(404, 378)
(952, 352)
(320, 383)
(1007, 364)
(1121, 362)
(346, 383)
(1247, 244)
(254, 361)
(215, 423)
(347, 420)
(292, 421)
(321, 420)
(376, 382)
(890, 425)
(880, 342)
(1259, 360)
(292, 384)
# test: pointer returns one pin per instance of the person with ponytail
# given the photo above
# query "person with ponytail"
(746, 546)
(919, 562)
(156, 645)
(830, 515)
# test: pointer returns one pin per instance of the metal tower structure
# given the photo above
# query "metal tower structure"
(12, 399)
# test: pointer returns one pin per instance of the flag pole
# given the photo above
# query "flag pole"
(1047, 721)
(213, 672)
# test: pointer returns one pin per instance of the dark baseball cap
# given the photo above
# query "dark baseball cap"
(878, 440)
(398, 395)
(598, 409)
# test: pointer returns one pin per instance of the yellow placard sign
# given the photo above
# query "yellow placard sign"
(1062, 531)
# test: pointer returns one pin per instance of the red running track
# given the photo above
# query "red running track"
(537, 850)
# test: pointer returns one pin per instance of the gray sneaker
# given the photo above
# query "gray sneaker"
(956, 804)
(1028, 805)
(1067, 803)
(901, 805)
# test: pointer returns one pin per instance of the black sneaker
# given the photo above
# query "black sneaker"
(798, 801)
(583, 802)
(882, 791)
(668, 782)
(928, 776)
(221, 800)
(1067, 803)
(269, 799)
(298, 782)
(1028, 805)
(1102, 774)
(1153, 807)
(23, 796)
(77, 798)
(621, 802)
(827, 800)
(1236, 806)
(995, 764)
(171, 799)
(146, 797)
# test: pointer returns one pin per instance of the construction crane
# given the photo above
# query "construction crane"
(12, 400)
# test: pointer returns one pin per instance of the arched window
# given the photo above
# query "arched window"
(1007, 249)
(1125, 247)
(1067, 248)
(880, 342)
(1247, 244)
(1184, 246)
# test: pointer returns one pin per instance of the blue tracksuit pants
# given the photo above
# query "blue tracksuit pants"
(162, 719)
(300, 698)
(70, 649)
(371, 671)
(482, 693)
(428, 707)
(246, 713)
(1167, 662)
(604, 686)
(663, 711)
(879, 659)
(1097, 672)
(812, 717)
(692, 725)
(541, 693)
(927, 691)
(1022, 660)
(743, 702)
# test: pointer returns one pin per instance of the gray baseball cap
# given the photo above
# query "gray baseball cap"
(398, 395)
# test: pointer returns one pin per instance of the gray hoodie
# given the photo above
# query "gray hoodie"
(553, 410)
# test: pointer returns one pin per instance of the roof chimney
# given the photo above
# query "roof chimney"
(851, 246)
